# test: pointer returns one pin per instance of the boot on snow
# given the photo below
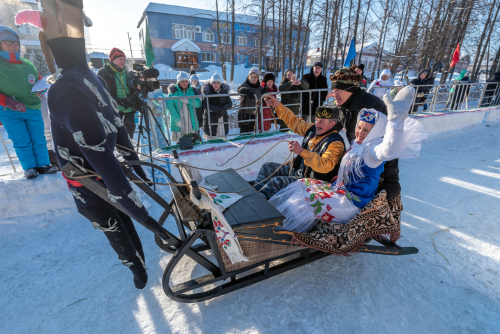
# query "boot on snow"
(47, 169)
(31, 173)
(140, 279)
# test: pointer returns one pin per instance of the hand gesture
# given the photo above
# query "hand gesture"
(401, 105)
(295, 147)
(329, 95)
(272, 101)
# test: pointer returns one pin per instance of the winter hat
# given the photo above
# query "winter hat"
(467, 74)
(269, 76)
(368, 115)
(346, 78)
(318, 63)
(215, 78)
(254, 70)
(398, 83)
(329, 112)
(115, 53)
(194, 77)
(361, 67)
(182, 76)
(6, 35)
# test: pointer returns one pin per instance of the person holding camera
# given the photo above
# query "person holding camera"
(121, 87)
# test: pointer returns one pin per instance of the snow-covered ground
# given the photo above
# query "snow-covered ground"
(59, 275)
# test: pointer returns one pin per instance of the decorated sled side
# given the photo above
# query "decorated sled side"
(253, 220)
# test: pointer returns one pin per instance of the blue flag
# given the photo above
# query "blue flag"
(351, 54)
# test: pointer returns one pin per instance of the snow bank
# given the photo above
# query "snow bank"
(20, 197)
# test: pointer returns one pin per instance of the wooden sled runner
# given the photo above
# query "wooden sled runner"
(252, 219)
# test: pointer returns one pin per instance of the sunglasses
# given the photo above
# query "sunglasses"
(9, 43)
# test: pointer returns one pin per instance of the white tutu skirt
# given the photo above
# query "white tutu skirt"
(306, 200)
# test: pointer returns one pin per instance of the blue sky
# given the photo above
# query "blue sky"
(113, 19)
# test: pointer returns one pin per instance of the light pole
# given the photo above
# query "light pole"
(130, 45)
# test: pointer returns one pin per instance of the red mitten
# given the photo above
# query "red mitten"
(14, 105)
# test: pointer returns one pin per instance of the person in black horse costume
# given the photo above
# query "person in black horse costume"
(85, 127)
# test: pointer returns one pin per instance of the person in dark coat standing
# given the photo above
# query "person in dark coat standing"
(195, 84)
(316, 80)
(361, 70)
(347, 94)
(250, 89)
(291, 100)
(491, 88)
(460, 91)
(268, 87)
(120, 83)
(424, 79)
(192, 71)
(216, 107)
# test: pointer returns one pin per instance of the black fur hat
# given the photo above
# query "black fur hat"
(269, 76)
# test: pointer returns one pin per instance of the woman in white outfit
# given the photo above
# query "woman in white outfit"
(379, 138)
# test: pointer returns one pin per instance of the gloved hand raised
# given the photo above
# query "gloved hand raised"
(401, 105)
(11, 103)
(222, 112)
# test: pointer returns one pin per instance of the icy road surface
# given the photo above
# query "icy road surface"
(59, 275)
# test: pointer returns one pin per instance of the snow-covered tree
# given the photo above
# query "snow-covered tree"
(40, 64)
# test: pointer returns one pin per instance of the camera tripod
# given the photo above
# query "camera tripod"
(146, 114)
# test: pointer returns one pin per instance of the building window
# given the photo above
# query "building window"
(370, 66)
(29, 54)
(225, 38)
(241, 39)
(255, 60)
(180, 31)
(208, 35)
(27, 29)
(255, 42)
(208, 57)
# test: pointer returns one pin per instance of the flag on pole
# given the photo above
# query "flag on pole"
(148, 48)
(456, 56)
(351, 54)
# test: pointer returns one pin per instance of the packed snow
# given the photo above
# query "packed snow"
(59, 275)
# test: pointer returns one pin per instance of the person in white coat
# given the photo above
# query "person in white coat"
(383, 81)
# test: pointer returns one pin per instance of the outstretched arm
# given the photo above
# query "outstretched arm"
(393, 144)
(296, 124)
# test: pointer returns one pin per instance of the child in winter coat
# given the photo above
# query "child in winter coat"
(269, 87)
(216, 107)
(383, 81)
(395, 90)
(20, 109)
(195, 84)
(183, 114)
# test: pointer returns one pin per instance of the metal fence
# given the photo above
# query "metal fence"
(453, 96)
(440, 98)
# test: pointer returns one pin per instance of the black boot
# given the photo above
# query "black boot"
(53, 160)
(140, 279)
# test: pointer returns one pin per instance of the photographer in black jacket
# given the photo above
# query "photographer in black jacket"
(121, 87)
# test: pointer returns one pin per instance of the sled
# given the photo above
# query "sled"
(253, 220)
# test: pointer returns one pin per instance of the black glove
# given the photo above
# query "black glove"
(222, 112)
(250, 94)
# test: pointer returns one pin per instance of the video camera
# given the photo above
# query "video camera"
(146, 78)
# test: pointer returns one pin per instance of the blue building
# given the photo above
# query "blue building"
(183, 37)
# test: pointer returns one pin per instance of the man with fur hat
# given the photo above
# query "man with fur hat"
(318, 157)
(347, 94)
(316, 80)
(121, 87)
(85, 128)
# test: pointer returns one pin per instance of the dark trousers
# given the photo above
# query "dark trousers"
(129, 122)
(120, 231)
(280, 180)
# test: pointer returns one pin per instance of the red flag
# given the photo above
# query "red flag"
(456, 56)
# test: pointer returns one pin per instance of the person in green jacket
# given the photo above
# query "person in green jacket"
(120, 83)
(20, 111)
(183, 118)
